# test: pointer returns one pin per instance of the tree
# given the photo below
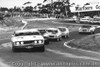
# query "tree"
(17, 9)
(46, 9)
(28, 9)
(3, 9)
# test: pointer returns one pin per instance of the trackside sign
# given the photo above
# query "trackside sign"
(85, 8)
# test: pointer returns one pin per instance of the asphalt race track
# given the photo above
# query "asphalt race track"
(55, 55)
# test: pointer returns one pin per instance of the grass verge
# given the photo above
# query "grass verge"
(91, 42)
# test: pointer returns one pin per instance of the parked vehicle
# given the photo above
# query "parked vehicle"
(87, 29)
(27, 38)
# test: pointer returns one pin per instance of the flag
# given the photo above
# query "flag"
(27, 3)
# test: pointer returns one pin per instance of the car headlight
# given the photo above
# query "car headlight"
(40, 42)
(35, 42)
(17, 44)
(22, 42)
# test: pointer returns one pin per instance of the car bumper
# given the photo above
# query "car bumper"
(64, 34)
(84, 32)
(52, 37)
(28, 46)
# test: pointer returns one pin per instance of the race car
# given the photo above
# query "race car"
(54, 33)
(87, 29)
(64, 31)
(45, 34)
(27, 38)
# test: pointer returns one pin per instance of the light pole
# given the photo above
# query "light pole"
(78, 18)
(52, 7)
(78, 15)
(66, 5)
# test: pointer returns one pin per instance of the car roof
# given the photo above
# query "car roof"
(26, 30)
(86, 26)
(52, 29)
(41, 28)
(62, 27)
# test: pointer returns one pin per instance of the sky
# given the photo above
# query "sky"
(19, 3)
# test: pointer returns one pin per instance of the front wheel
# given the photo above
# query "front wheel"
(42, 49)
(59, 39)
(14, 49)
(46, 42)
(92, 32)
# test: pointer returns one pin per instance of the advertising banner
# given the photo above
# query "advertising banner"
(85, 8)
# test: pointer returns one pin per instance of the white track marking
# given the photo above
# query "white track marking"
(71, 55)
(6, 45)
(25, 23)
(66, 45)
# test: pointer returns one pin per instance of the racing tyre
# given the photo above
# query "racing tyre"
(15, 49)
(42, 49)
(93, 32)
(68, 35)
(47, 42)
(59, 39)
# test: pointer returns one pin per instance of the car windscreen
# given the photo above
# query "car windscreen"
(86, 26)
(26, 33)
(53, 31)
(42, 31)
(62, 29)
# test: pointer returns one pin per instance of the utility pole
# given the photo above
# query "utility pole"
(66, 4)
(78, 18)
(52, 7)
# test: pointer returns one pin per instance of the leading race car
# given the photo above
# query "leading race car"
(64, 31)
(54, 33)
(27, 38)
(87, 29)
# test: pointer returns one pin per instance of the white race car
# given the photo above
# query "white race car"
(45, 34)
(87, 29)
(29, 38)
(54, 33)
(64, 31)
